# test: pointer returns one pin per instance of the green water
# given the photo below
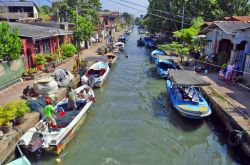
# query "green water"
(133, 122)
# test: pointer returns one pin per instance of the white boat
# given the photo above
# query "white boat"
(46, 138)
(112, 58)
(118, 47)
(97, 73)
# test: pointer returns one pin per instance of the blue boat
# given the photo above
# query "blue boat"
(184, 96)
(163, 64)
(124, 38)
(154, 54)
(149, 42)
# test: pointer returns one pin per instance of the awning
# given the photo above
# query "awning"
(187, 78)
(96, 58)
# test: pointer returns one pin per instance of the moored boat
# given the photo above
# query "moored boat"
(119, 46)
(163, 64)
(97, 73)
(184, 96)
(154, 55)
(44, 137)
(112, 58)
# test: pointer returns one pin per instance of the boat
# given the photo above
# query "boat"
(97, 73)
(22, 160)
(149, 42)
(124, 38)
(47, 138)
(118, 47)
(112, 59)
(163, 64)
(140, 42)
(154, 55)
(182, 88)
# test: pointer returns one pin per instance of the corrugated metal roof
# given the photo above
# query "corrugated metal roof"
(18, 3)
(37, 32)
(231, 26)
(227, 26)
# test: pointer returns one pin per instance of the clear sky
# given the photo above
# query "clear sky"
(108, 4)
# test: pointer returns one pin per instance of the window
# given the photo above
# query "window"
(46, 46)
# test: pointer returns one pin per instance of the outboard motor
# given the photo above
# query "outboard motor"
(36, 142)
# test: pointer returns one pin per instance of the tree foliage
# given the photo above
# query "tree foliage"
(45, 12)
(10, 43)
(128, 18)
(83, 30)
(68, 50)
(171, 18)
(86, 8)
(176, 48)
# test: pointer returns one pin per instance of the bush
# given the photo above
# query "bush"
(68, 50)
(224, 65)
(13, 110)
(40, 59)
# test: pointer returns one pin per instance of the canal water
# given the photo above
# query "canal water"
(133, 122)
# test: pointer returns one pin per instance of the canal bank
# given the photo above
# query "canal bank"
(9, 141)
(133, 122)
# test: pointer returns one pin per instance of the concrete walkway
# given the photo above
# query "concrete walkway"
(238, 97)
(15, 91)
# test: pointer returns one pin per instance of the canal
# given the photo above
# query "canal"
(133, 122)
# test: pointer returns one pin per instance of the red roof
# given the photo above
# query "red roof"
(237, 18)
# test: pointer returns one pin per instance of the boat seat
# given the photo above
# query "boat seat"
(178, 96)
(191, 93)
(176, 90)
(195, 97)
(187, 90)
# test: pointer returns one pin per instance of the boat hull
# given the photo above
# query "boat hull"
(56, 150)
(188, 114)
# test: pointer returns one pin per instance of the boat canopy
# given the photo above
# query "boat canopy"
(96, 58)
(163, 58)
(186, 78)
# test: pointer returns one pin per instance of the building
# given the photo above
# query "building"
(18, 11)
(39, 39)
(228, 40)
(109, 22)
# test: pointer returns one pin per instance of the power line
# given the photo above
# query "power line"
(156, 9)
(148, 13)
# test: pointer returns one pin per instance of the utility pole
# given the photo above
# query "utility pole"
(183, 14)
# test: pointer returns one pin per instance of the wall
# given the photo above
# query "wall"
(28, 44)
(247, 69)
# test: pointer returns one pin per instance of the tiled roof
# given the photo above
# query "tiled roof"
(237, 18)
(37, 32)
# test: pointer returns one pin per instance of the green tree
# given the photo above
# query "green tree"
(86, 8)
(45, 12)
(171, 17)
(10, 42)
(82, 31)
(129, 18)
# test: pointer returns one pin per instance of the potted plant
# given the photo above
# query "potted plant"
(21, 108)
(40, 61)
(7, 115)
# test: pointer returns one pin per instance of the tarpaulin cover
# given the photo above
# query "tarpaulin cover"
(163, 58)
(186, 78)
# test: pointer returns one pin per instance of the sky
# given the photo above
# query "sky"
(108, 4)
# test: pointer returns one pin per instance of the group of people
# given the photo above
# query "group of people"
(230, 73)
(71, 95)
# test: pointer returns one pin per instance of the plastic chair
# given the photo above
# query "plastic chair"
(195, 97)
(191, 93)
(179, 96)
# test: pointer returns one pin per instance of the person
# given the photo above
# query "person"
(84, 94)
(71, 95)
(48, 112)
(221, 73)
(229, 72)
